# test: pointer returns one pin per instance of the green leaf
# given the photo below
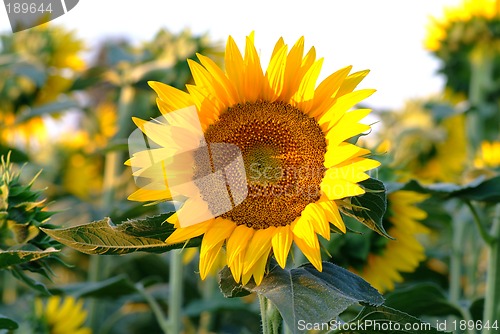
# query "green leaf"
(481, 189)
(12, 257)
(214, 304)
(35, 285)
(103, 237)
(7, 323)
(476, 309)
(16, 155)
(422, 299)
(370, 207)
(113, 287)
(385, 320)
(305, 294)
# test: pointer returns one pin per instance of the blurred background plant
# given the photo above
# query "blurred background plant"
(66, 110)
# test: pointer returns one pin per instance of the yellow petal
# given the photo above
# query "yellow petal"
(303, 98)
(260, 244)
(173, 96)
(312, 253)
(238, 242)
(281, 242)
(220, 77)
(258, 269)
(337, 189)
(341, 106)
(209, 256)
(351, 82)
(276, 73)
(234, 67)
(220, 230)
(254, 78)
(303, 229)
(186, 233)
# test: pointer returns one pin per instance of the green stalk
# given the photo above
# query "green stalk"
(270, 316)
(157, 311)
(456, 260)
(113, 165)
(481, 62)
(492, 296)
(175, 288)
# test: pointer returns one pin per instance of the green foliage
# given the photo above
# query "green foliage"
(422, 299)
(481, 189)
(102, 237)
(370, 207)
(15, 257)
(7, 323)
(305, 294)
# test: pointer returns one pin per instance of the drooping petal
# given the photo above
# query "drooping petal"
(260, 244)
(281, 242)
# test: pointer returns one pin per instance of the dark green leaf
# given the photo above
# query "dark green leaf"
(476, 309)
(16, 155)
(481, 189)
(103, 237)
(111, 288)
(422, 299)
(12, 257)
(35, 285)
(370, 207)
(305, 294)
(7, 323)
(385, 320)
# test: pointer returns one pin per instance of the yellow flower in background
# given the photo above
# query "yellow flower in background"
(489, 155)
(439, 29)
(449, 155)
(293, 139)
(402, 255)
(425, 148)
(61, 316)
(55, 53)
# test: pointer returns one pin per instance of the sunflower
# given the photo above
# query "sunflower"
(489, 155)
(60, 316)
(428, 148)
(384, 265)
(439, 31)
(296, 144)
(467, 40)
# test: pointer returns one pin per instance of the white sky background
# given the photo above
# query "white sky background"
(385, 36)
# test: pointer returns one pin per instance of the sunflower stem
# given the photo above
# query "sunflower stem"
(456, 260)
(270, 316)
(175, 288)
(157, 311)
(492, 296)
(113, 165)
(477, 220)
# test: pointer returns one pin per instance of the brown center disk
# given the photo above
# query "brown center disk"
(283, 150)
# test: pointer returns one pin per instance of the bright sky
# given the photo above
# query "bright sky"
(384, 36)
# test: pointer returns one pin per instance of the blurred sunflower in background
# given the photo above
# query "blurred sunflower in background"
(381, 261)
(281, 122)
(466, 41)
(431, 147)
(41, 64)
(60, 316)
(464, 25)
(390, 258)
(488, 155)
